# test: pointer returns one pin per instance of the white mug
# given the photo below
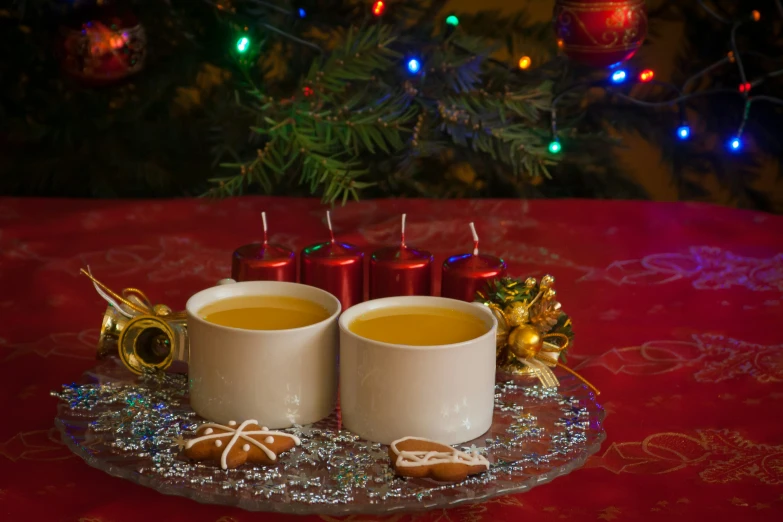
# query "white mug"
(279, 377)
(445, 393)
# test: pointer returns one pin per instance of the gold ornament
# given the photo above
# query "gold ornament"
(146, 337)
(525, 342)
(545, 311)
(533, 331)
(516, 314)
(146, 343)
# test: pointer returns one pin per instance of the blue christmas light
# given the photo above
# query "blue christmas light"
(619, 76)
(735, 144)
(414, 65)
(302, 12)
(684, 132)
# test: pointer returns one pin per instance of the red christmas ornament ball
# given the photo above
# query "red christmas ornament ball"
(600, 33)
(102, 45)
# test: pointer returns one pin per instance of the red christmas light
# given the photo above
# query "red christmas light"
(308, 91)
(378, 8)
(646, 75)
(745, 87)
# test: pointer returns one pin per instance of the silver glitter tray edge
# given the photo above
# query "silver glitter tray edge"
(538, 435)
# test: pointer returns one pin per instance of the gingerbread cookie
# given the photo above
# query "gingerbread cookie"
(418, 458)
(233, 446)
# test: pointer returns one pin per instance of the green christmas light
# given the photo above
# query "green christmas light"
(243, 44)
(452, 20)
(555, 147)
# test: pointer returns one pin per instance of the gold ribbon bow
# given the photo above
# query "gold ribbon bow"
(533, 332)
(146, 336)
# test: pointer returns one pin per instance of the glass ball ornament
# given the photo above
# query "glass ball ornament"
(102, 45)
(600, 33)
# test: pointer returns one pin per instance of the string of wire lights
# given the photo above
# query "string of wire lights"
(244, 43)
(616, 78)
(621, 76)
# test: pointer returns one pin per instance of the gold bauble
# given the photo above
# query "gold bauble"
(516, 313)
(547, 281)
(525, 341)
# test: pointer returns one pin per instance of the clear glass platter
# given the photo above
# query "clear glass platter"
(132, 427)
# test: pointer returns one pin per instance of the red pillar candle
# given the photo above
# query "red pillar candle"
(400, 270)
(335, 267)
(263, 262)
(465, 274)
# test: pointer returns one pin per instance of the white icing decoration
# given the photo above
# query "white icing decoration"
(232, 423)
(246, 447)
(414, 459)
(269, 440)
(208, 431)
(237, 434)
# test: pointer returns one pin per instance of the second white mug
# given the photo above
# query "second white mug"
(444, 393)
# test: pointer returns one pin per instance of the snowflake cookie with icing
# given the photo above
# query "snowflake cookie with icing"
(234, 445)
(419, 458)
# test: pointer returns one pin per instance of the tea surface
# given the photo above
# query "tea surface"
(418, 326)
(264, 312)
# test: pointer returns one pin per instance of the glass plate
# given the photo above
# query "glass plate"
(131, 427)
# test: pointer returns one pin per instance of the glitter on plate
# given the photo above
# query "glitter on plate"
(133, 427)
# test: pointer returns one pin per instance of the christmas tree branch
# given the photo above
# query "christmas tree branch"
(361, 55)
(352, 111)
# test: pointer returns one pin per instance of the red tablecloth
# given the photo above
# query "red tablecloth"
(676, 307)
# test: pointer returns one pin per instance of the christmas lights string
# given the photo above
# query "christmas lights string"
(279, 9)
(712, 12)
(243, 43)
(683, 132)
(292, 37)
(378, 8)
(616, 78)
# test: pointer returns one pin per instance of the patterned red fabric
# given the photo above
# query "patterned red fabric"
(676, 308)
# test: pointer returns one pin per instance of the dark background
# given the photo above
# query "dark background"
(158, 134)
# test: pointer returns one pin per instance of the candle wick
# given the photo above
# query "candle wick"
(475, 239)
(329, 224)
(402, 232)
(263, 219)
